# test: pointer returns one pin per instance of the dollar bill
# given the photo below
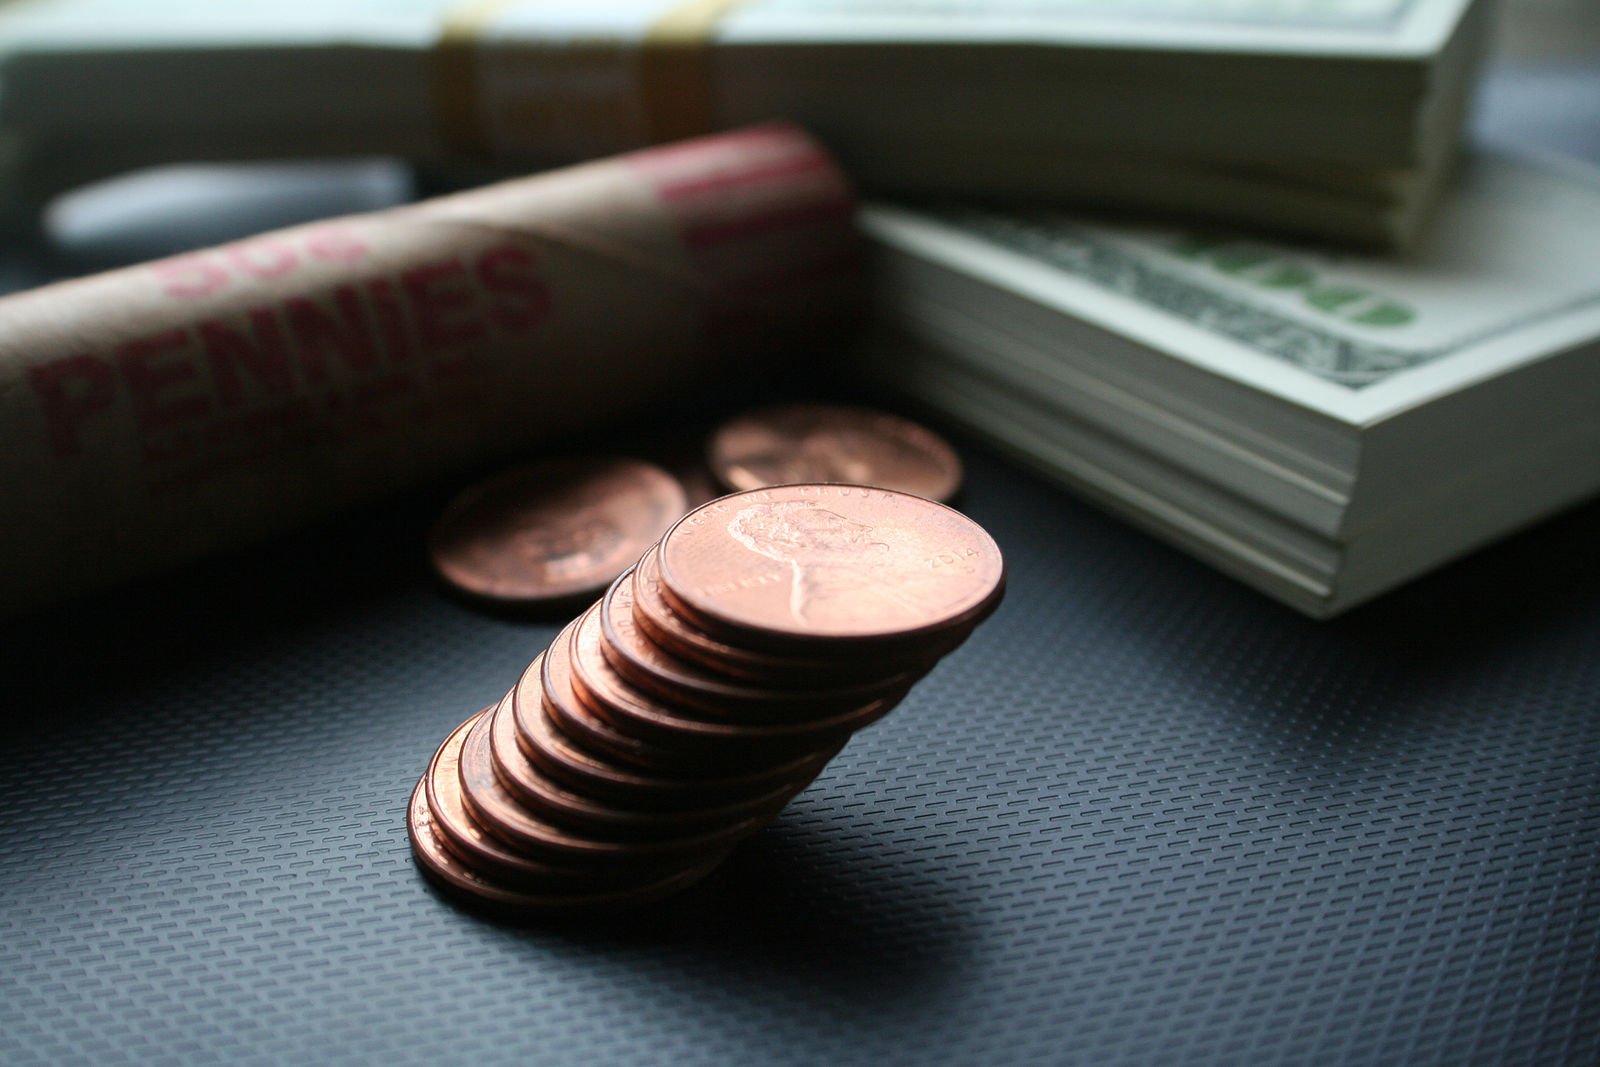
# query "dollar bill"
(1279, 25)
(1508, 272)
(1388, 411)
(1315, 573)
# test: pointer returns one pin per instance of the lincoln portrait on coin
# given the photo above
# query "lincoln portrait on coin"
(833, 560)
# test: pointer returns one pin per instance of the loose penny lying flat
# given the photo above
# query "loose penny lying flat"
(553, 529)
(816, 567)
(789, 443)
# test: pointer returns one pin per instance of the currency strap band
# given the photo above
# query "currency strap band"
(675, 69)
(671, 61)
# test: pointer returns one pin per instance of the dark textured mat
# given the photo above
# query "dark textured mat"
(1143, 816)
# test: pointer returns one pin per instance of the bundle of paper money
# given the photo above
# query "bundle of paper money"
(1336, 118)
(1322, 426)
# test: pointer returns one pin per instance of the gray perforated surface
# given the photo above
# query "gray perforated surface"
(1143, 816)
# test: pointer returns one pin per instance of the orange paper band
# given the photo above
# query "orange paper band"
(673, 65)
(455, 76)
(675, 69)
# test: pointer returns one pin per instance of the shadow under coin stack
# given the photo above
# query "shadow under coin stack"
(710, 685)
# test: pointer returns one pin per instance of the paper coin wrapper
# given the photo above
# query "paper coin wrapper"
(160, 411)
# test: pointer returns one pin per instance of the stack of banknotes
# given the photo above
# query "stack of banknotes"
(1324, 420)
(1331, 118)
(1321, 425)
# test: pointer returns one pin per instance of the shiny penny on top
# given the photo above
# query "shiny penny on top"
(790, 443)
(553, 529)
(811, 564)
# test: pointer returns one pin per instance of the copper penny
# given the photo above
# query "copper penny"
(813, 566)
(635, 713)
(789, 443)
(446, 870)
(543, 742)
(551, 801)
(468, 841)
(497, 810)
(577, 720)
(666, 627)
(553, 529)
(651, 668)
(669, 629)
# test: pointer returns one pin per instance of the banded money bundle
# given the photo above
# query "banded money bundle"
(1323, 426)
(1336, 118)
(709, 686)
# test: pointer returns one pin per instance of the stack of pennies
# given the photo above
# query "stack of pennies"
(708, 686)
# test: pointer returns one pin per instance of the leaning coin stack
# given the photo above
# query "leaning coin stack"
(707, 687)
